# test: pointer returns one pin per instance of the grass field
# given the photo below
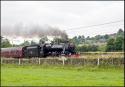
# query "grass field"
(12, 75)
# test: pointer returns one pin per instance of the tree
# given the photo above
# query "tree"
(120, 33)
(110, 45)
(123, 46)
(102, 48)
(33, 43)
(75, 40)
(106, 36)
(119, 43)
(43, 39)
(82, 48)
(93, 48)
(86, 48)
(83, 38)
(25, 43)
(87, 38)
(5, 43)
(59, 40)
(97, 37)
(79, 39)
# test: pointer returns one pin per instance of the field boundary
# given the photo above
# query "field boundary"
(64, 61)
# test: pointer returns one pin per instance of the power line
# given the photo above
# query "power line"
(95, 25)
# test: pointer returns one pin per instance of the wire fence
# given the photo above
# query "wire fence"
(64, 61)
(95, 55)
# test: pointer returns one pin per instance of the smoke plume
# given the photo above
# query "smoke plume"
(32, 31)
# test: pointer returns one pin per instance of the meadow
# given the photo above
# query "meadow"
(46, 75)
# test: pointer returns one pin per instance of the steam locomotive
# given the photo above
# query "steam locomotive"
(43, 50)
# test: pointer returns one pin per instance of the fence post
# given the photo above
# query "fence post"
(98, 62)
(112, 61)
(19, 61)
(1, 60)
(39, 61)
(63, 62)
(71, 60)
(84, 62)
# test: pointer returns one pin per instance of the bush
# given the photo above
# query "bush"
(87, 48)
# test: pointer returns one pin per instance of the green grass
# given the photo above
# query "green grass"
(36, 75)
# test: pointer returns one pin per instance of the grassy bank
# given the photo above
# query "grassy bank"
(13, 75)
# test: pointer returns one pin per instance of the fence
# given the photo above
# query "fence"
(64, 61)
(95, 55)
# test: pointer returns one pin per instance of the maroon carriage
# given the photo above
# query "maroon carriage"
(13, 52)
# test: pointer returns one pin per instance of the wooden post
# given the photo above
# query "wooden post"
(98, 62)
(1, 60)
(112, 61)
(84, 62)
(71, 60)
(63, 62)
(39, 61)
(19, 61)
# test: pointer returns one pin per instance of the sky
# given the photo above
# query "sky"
(66, 15)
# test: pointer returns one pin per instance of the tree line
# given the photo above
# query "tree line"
(6, 43)
(107, 42)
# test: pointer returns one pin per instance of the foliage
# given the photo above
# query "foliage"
(59, 40)
(33, 43)
(107, 42)
(115, 44)
(119, 42)
(86, 48)
(106, 36)
(25, 43)
(102, 48)
(5, 43)
(78, 40)
(120, 33)
(43, 39)
(110, 45)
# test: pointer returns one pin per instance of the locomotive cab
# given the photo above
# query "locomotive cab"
(32, 51)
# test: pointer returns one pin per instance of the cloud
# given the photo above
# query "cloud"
(65, 15)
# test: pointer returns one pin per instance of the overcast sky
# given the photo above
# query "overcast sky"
(65, 15)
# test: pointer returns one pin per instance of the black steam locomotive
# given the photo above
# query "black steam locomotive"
(43, 50)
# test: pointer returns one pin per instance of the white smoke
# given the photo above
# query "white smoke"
(32, 31)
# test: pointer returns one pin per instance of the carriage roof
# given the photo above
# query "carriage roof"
(11, 48)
